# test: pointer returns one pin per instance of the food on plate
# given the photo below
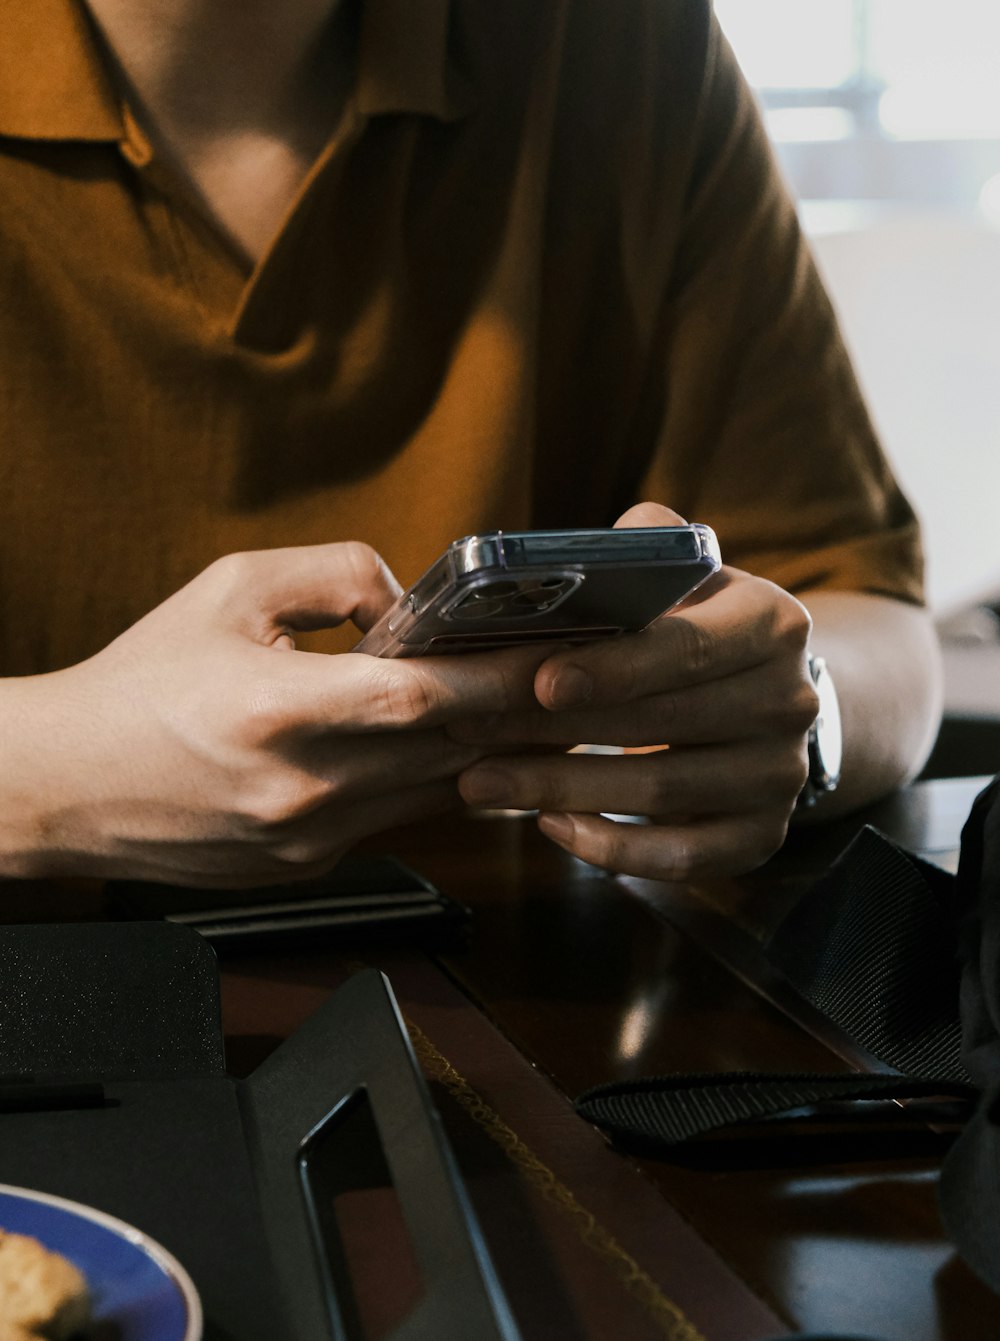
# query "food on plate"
(43, 1296)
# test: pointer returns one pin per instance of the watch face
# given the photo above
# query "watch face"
(827, 741)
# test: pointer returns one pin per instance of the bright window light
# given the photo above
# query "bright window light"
(791, 43)
(939, 66)
(910, 110)
(809, 123)
(934, 65)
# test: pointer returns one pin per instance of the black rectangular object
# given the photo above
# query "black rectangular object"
(216, 1169)
(361, 901)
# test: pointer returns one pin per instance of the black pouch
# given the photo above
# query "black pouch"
(905, 960)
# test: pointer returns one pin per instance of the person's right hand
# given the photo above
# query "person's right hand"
(201, 748)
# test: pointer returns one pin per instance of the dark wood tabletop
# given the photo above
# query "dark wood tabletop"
(569, 977)
(594, 978)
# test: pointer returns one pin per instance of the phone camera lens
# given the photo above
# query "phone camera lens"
(490, 591)
(542, 595)
(506, 599)
(481, 604)
(534, 599)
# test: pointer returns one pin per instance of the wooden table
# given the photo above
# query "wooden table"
(575, 978)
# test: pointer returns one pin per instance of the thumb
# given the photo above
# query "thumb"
(650, 514)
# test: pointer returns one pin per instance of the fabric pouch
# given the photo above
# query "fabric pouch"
(905, 960)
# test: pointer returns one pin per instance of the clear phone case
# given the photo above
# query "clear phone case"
(507, 587)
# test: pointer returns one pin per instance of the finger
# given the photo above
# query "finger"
(404, 806)
(303, 587)
(359, 766)
(745, 622)
(654, 514)
(680, 853)
(764, 701)
(650, 514)
(307, 691)
(708, 780)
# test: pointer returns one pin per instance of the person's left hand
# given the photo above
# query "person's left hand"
(718, 699)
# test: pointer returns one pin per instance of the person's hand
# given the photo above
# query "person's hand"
(722, 682)
(200, 747)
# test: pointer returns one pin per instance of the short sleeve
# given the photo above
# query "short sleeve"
(764, 433)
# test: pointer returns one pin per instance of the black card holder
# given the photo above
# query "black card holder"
(115, 1030)
(362, 901)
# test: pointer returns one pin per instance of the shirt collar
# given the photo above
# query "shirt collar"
(53, 84)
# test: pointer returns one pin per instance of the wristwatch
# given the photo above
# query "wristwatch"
(825, 739)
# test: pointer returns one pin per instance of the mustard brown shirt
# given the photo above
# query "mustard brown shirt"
(546, 268)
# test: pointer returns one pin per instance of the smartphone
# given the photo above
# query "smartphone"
(508, 587)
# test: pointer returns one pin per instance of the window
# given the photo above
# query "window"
(886, 117)
(911, 83)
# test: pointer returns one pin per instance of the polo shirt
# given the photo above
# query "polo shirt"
(545, 268)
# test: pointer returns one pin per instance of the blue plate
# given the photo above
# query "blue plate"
(134, 1283)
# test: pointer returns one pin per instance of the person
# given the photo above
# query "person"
(294, 295)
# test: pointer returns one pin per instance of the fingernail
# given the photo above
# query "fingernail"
(486, 786)
(571, 687)
(556, 826)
